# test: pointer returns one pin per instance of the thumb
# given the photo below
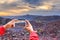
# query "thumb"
(27, 23)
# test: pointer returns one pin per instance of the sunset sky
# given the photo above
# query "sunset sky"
(33, 7)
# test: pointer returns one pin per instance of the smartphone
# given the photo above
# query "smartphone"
(20, 23)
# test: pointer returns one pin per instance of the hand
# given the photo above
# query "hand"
(11, 24)
(28, 26)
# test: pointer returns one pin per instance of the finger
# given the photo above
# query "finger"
(25, 23)
(15, 20)
(12, 21)
(9, 23)
(13, 25)
(28, 23)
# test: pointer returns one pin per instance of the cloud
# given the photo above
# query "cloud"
(33, 2)
(9, 7)
(13, 8)
(45, 6)
(5, 13)
(17, 10)
(20, 9)
(7, 1)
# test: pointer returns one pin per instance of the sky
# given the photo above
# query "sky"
(32, 7)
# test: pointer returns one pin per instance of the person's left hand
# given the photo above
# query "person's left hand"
(11, 24)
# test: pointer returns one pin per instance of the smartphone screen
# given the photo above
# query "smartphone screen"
(20, 24)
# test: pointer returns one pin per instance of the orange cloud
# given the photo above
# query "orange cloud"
(2, 1)
(18, 10)
(45, 6)
(4, 14)
(7, 1)
(12, 12)
(10, 1)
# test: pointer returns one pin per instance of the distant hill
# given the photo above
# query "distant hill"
(4, 20)
(35, 17)
(1, 18)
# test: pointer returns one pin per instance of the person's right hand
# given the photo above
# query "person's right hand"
(28, 26)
